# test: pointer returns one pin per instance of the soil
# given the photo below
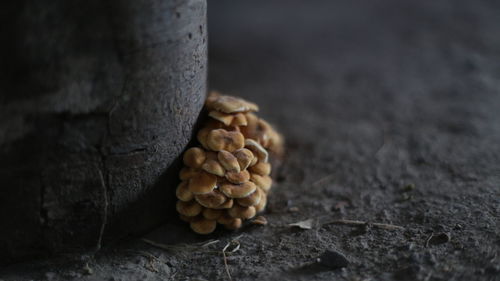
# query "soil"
(390, 111)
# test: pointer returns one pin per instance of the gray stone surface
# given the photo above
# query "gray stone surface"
(98, 101)
(390, 110)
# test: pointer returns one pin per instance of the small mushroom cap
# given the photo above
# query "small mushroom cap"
(257, 150)
(252, 199)
(202, 183)
(194, 157)
(228, 161)
(259, 220)
(244, 157)
(261, 168)
(229, 104)
(212, 199)
(190, 209)
(241, 212)
(226, 205)
(225, 118)
(239, 120)
(262, 204)
(220, 139)
(225, 218)
(182, 192)
(238, 178)
(203, 226)
(250, 130)
(213, 167)
(234, 224)
(187, 173)
(211, 214)
(238, 190)
(264, 182)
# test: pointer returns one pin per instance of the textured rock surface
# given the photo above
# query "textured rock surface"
(98, 100)
(372, 98)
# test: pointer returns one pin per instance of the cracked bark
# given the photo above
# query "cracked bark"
(99, 101)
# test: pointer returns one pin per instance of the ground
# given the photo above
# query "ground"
(391, 113)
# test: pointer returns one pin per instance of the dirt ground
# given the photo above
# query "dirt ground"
(391, 113)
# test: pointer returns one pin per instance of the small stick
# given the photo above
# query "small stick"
(428, 240)
(361, 223)
(225, 261)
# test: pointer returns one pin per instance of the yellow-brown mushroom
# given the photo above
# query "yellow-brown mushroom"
(211, 214)
(202, 183)
(220, 139)
(203, 226)
(244, 157)
(261, 168)
(189, 209)
(264, 182)
(228, 161)
(183, 193)
(194, 157)
(252, 199)
(238, 190)
(213, 199)
(241, 212)
(238, 178)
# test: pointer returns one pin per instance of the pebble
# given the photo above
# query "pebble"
(333, 259)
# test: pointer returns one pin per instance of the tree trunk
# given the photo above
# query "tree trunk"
(98, 100)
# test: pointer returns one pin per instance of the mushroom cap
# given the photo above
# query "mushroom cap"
(262, 204)
(252, 199)
(234, 224)
(260, 220)
(194, 157)
(228, 161)
(226, 205)
(239, 120)
(257, 150)
(211, 214)
(203, 226)
(238, 190)
(229, 104)
(261, 168)
(202, 183)
(225, 118)
(238, 211)
(220, 139)
(182, 192)
(224, 218)
(238, 178)
(189, 209)
(264, 182)
(244, 157)
(213, 167)
(213, 199)
(187, 173)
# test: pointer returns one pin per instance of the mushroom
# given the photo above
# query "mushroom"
(211, 214)
(202, 183)
(239, 119)
(225, 118)
(262, 203)
(257, 150)
(241, 212)
(261, 168)
(229, 104)
(244, 157)
(182, 192)
(203, 226)
(186, 218)
(212, 199)
(238, 178)
(220, 139)
(226, 205)
(189, 209)
(252, 199)
(264, 182)
(187, 173)
(228, 161)
(233, 224)
(212, 165)
(238, 190)
(194, 157)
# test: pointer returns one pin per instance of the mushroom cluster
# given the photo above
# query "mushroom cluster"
(226, 179)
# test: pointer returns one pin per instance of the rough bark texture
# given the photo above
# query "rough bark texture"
(98, 100)
(390, 109)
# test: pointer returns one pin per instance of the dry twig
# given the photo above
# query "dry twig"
(363, 223)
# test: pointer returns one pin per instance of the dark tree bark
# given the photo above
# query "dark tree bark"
(98, 100)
